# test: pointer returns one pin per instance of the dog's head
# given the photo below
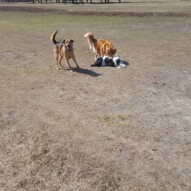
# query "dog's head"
(98, 62)
(110, 51)
(116, 61)
(68, 44)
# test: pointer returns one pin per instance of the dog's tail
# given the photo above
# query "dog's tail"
(89, 35)
(53, 36)
(90, 38)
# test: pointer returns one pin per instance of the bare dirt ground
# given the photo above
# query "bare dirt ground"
(95, 128)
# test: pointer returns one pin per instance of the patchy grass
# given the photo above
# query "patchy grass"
(175, 6)
(121, 129)
(115, 119)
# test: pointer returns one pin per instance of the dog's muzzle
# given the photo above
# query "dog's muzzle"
(68, 47)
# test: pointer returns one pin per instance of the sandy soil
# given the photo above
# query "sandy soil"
(97, 128)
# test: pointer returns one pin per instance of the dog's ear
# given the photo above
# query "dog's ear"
(98, 62)
(63, 41)
(71, 41)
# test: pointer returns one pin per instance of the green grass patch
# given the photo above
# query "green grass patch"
(128, 5)
(116, 119)
(22, 21)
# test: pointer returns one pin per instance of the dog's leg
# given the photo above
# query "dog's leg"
(90, 43)
(102, 54)
(96, 56)
(67, 60)
(74, 59)
(60, 65)
(58, 62)
(56, 56)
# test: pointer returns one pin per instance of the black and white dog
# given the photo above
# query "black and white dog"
(108, 61)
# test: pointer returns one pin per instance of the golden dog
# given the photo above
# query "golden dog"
(63, 49)
(101, 47)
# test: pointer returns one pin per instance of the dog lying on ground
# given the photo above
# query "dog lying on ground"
(108, 61)
(101, 47)
(63, 49)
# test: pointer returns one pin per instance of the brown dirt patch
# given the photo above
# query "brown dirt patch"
(95, 129)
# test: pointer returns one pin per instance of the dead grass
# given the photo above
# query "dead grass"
(175, 6)
(95, 128)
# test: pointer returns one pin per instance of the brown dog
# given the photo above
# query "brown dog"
(100, 46)
(63, 49)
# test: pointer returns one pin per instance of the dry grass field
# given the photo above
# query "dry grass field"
(95, 129)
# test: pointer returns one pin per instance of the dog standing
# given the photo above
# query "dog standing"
(101, 47)
(63, 49)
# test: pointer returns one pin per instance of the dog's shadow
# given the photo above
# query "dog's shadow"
(86, 71)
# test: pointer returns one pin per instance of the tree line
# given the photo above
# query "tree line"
(59, 1)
